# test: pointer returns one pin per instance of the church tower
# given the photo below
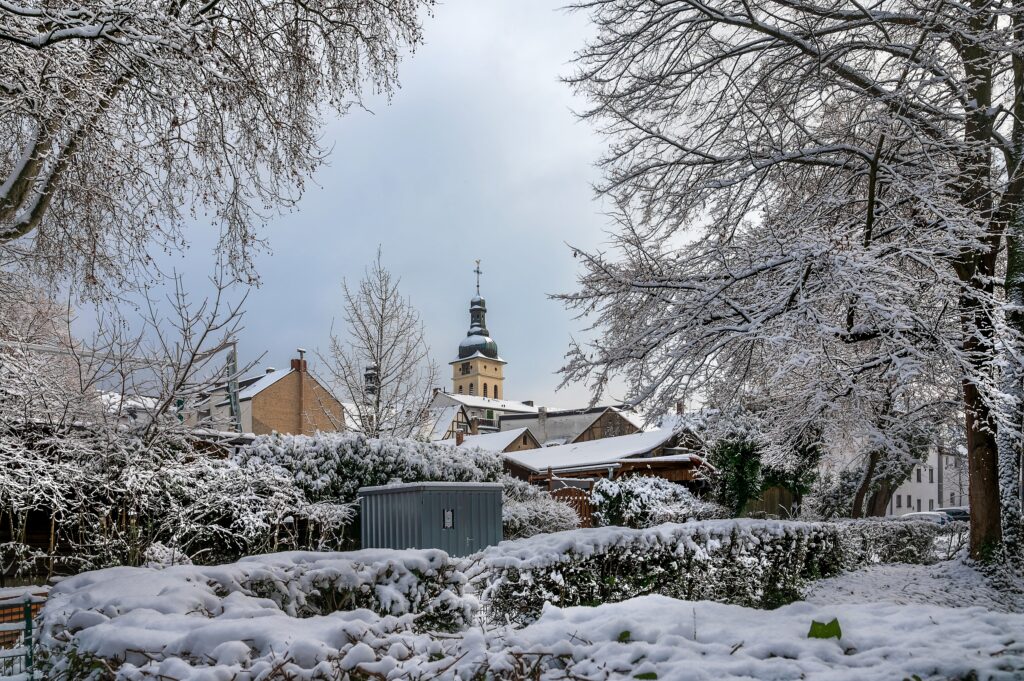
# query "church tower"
(478, 370)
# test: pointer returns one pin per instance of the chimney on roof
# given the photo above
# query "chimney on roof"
(300, 363)
(460, 437)
(435, 392)
(271, 370)
(542, 423)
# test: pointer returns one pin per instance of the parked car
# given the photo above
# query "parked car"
(957, 513)
(928, 516)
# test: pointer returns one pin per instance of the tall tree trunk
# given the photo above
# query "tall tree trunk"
(976, 269)
(878, 504)
(865, 485)
(1012, 383)
(1012, 386)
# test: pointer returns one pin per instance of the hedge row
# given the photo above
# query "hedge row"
(86, 625)
(753, 563)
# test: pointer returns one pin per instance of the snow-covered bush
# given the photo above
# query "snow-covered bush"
(527, 510)
(641, 501)
(756, 563)
(877, 540)
(333, 466)
(89, 626)
(749, 562)
(111, 496)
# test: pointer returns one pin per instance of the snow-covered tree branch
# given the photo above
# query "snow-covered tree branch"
(121, 119)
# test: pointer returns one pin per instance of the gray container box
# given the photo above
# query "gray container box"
(459, 518)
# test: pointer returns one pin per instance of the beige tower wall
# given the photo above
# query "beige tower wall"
(481, 371)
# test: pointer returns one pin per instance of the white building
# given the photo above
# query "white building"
(940, 481)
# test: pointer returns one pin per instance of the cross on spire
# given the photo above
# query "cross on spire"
(478, 272)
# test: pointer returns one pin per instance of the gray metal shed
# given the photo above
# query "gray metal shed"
(459, 518)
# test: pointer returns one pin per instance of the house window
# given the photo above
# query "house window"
(919, 475)
(951, 499)
(460, 389)
(526, 439)
(496, 396)
(931, 475)
(899, 501)
(918, 505)
(931, 504)
(472, 389)
(909, 505)
(464, 369)
(485, 390)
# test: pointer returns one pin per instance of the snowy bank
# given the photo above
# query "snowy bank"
(650, 637)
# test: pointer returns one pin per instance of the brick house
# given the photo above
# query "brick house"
(291, 401)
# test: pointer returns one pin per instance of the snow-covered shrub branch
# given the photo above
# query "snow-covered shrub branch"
(527, 510)
(166, 109)
(640, 501)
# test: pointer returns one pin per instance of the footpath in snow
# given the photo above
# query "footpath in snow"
(951, 584)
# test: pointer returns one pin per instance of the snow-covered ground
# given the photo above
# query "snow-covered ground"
(658, 637)
(950, 584)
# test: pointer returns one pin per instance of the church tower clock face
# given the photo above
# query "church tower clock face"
(478, 369)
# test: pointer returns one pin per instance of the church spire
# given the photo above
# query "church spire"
(478, 338)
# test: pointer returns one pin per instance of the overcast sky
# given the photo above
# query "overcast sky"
(478, 155)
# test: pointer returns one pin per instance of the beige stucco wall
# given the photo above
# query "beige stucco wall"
(481, 371)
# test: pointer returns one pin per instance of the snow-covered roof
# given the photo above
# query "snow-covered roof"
(439, 421)
(262, 383)
(478, 402)
(491, 442)
(476, 355)
(593, 452)
(116, 402)
(563, 426)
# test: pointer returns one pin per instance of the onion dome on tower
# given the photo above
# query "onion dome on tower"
(478, 338)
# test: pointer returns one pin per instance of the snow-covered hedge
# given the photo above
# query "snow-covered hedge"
(759, 563)
(91, 625)
(880, 540)
(527, 510)
(755, 563)
(641, 501)
(333, 466)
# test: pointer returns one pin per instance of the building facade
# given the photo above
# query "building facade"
(291, 401)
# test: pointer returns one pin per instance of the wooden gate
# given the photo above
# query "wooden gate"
(579, 500)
